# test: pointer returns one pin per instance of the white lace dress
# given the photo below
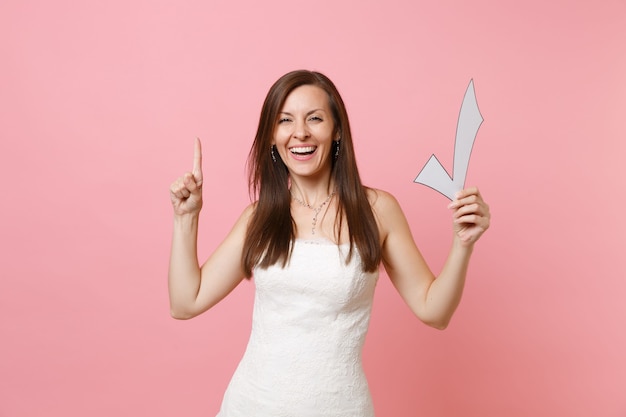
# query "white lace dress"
(308, 329)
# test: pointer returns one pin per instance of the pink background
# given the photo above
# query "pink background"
(99, 105)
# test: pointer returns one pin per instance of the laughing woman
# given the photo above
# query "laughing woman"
(313, 241)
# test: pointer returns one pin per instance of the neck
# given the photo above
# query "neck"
(312, 194)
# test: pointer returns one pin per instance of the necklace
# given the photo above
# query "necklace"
(316, 210)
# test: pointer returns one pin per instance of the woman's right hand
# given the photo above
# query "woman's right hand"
(186, 191)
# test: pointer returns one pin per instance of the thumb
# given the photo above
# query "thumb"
(190, 183)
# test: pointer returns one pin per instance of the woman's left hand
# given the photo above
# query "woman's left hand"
(471, 215)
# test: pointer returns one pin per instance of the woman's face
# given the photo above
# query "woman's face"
(305, 131)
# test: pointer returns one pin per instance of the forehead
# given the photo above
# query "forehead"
(306, 97)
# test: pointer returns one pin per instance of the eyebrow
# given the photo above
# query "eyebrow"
(308, 113)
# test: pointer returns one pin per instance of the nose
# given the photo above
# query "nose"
(301, 130)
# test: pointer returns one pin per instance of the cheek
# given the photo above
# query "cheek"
(281, 135)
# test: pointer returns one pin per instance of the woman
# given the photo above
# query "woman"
(313, 241)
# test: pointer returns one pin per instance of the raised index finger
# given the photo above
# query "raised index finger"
(197, 162)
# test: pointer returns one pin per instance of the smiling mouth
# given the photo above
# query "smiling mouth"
(303, 150)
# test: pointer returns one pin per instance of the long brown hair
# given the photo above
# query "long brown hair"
(271, 231)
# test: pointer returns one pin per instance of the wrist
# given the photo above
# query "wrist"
(462, 245)
(186, 220)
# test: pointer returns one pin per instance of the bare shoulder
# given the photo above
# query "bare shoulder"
(382, 202)
(387, 211)
(247, 214)
(249, 211)
(240, 228)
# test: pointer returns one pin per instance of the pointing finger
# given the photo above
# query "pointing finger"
(197, 163)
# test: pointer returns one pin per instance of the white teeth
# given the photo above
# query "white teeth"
(303, 149)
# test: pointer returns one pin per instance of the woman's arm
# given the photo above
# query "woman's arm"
(194, 289)
(432, 299)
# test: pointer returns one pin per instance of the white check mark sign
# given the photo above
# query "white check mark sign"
(434, 175)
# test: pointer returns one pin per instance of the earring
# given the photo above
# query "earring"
(272, 153)
(337, 148)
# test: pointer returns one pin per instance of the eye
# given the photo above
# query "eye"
(315, 119)
(283, 120)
